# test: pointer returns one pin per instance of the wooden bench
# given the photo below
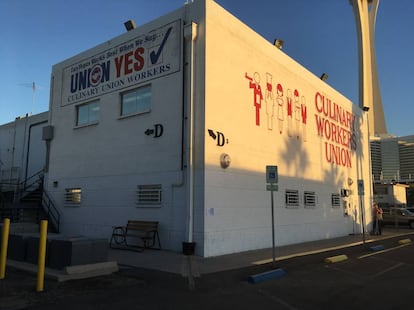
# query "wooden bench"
(146, 231)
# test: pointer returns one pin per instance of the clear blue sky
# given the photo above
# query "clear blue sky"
(319, 34)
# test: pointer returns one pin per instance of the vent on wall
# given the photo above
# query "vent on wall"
(309, 199)
(292, 198)
(149, 194)
(336, 200)
(73, 197)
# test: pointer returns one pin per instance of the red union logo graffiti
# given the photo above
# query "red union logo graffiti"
(254, 83)
(279, 104)
(334, 123)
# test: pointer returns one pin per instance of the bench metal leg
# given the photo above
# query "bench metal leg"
(118, 236)
(158, 238)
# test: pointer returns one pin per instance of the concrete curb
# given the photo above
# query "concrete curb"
(268, 275)
(71, 272)
(404, 241)
(376, 248)
(336, 259)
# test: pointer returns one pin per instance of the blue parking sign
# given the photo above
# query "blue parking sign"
(271, 174)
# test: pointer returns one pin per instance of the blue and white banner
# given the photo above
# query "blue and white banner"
(146, 57)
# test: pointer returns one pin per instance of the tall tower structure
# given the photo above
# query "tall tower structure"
(365, 12)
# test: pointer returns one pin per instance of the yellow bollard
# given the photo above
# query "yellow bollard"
(41, 257)
(4, 243)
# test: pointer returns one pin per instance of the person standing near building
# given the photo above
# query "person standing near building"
(377, 214)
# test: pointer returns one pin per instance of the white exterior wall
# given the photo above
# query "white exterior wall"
(400, 194)
(112, 156)
(237, 205)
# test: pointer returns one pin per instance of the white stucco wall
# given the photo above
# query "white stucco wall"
(237, 205)
(111, 157)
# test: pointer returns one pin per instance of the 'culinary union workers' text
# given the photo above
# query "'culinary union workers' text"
(337, 126)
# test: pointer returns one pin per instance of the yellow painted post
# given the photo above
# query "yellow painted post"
(4, 242)
(41, 257)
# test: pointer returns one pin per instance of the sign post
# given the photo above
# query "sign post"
(271, 180)
(361, 194)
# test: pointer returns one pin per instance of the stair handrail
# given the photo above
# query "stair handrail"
(30, 181)
(47, 203)
(21, 187)
(52, 212)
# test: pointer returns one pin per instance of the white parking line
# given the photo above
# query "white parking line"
(387, 270)
(277, 299)
(383, 251)
(269, 260)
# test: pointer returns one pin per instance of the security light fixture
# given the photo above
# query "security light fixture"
(225, 160)
(278, 43)
(324, 77)
(130, 25)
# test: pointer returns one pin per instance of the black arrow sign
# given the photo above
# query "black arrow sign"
(149, 132)
(212, 134)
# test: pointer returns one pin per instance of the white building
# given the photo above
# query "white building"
(391, 195)
(177, 120)
(393, 159)
(22, 150)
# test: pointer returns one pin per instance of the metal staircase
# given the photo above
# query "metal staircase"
(28, 202)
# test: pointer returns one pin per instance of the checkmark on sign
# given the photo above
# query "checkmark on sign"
(155, 55)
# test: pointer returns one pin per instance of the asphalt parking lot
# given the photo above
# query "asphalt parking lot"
(367, 279)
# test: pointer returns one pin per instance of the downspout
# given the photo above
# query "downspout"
(190, 32)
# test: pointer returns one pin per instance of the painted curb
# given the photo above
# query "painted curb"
(336, 259)
(376, 248)
(268, 275)
(404, 241)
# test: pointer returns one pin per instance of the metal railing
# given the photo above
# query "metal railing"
(51, 211)
(30, 189)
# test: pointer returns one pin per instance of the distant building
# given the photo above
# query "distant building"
(393, 162)
(393, 159)
(391, 195)
(176, 121)
(22, 150)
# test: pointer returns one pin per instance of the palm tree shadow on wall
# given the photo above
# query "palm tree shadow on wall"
(295, 157)
(297, 160)
(340, 177)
